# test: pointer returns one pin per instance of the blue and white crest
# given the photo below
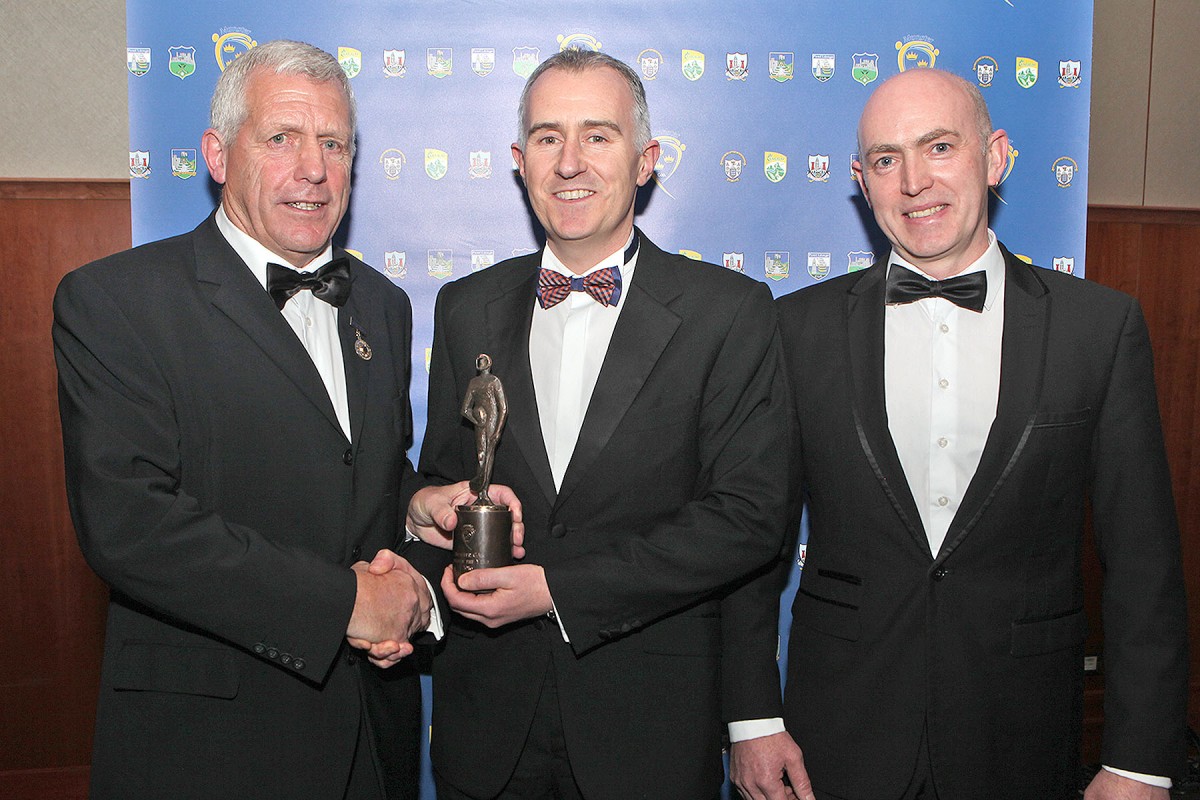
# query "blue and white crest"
(865, 67)
(818, 168)
(650, 62)
(1065, 264)
(137, 59)
(393, 162)
(483, 60)
(859, 259)
(734, 261)
(394, 264)
(481, 164)
(1068, 74)
(985, 70)
(393, 63)
(1064, 171)
(736, 66)
(733, 163)
(823, 66)
(482, 259)
(139, 163)
(182, 61)
(818, 265)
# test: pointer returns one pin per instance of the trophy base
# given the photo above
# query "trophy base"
(482, 539)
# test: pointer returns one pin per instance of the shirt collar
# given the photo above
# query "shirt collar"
(256, 255)
(991, 263)
(613, 259)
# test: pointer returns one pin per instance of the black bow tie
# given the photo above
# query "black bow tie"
(966, 291)
(330, 283)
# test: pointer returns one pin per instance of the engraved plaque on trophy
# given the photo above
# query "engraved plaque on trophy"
(483, 536)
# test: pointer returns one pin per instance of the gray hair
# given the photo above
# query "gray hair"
(229, 111)
(576, 60)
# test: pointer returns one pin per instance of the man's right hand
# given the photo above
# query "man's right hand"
(389, 609)
(758, 767)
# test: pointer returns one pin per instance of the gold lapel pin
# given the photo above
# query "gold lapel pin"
(360, 344)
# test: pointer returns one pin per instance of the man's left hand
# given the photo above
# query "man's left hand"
(513, 593)
(431, 514)
(1111, 786)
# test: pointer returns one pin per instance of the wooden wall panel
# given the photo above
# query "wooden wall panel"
(51, 605)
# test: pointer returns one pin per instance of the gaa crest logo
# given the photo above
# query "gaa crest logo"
(818, 265)
(182, 61)
(481, 164)
(818, 168)
(393, 63)
(525, 60)
(483, 60)
(578, 41)
(735, 66)
(1068, 74)
(139, 163)
(916, 52)
(439, 61)
(823, 66)
(670, 156)
(734, 261)
(865, 67)
(350, 61)
(482, 259)
(1027, 72)
(692, 64)
(650, 62)
(859, 260)
(392, 161)
(781, 66)
(229, 43)
(733, 163)
(183, 163)
(774, 166)
(1065, 264)
(437, 163)
(985, 70)
(1064, 171)
(394, 264)
(777, 264)
(440, 263)
(137, 59)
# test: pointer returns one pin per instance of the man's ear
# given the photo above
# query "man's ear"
(214, 154)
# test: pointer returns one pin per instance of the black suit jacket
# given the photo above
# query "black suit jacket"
(673, 494)
(215, 493)
(982, 646)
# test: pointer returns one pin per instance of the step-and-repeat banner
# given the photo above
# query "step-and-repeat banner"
(754, 103)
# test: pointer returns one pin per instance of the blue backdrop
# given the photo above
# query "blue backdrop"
(755, 105)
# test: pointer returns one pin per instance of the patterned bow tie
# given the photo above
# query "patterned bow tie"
(966, 291)
(604, 285)
(330, 283)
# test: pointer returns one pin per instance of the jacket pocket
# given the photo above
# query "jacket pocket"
(176, 669)
(1038, 636)
(828, 601)
(1061, 419)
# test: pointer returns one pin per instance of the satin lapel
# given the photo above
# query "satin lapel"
(864, 317)
(357, 315)
(234, 291)
(1022, 361)
(508, 319)
(642, 333)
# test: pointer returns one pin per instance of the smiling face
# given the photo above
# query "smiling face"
(287, 169)
(925, 170)
(581, 164)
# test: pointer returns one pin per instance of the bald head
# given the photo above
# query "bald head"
(910, 86)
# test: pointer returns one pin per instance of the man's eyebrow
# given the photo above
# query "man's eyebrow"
(932, 136)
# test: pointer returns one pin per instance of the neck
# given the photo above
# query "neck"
(581, 256)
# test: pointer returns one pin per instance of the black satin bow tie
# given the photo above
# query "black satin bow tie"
(966, 291)
(330, 283)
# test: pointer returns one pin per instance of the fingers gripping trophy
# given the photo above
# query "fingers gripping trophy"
(483, 537)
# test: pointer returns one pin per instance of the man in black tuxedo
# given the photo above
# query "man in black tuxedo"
(235, 423)
(646, 413)
(961, 409)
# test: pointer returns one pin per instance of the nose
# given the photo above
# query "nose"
(915, 176)
(571, 161)
(310, 162)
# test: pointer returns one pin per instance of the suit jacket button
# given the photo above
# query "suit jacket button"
(348, 457)
(272, 652)
(352, 659)
(940, 573)
(558, 531)
(285, 658)
(355, 552)
(260, 648)
(298, 663)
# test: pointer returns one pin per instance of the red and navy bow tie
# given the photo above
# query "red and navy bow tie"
(604, 285)
(330, 283)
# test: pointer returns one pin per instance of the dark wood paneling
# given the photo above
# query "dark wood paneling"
(51, 605)
(1154, 255)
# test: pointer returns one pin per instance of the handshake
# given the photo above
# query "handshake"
(394, 602)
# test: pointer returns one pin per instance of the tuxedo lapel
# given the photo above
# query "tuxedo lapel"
(233, 290)
(508, 317)
(354, 319)
(642, 333)
(865, 324)
(1022, 361)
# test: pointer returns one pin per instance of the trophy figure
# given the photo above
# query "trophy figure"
(483, 536)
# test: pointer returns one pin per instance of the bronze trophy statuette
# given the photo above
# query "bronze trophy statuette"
(483, 537)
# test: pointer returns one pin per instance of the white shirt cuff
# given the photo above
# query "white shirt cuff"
(554, 616)
(435, 617)
(1153, 780)
(745, 729)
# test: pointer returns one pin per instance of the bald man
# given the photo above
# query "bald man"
(961, 409)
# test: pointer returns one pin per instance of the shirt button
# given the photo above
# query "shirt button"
(943, 383)
(943, 500)
(348, 457)
(944, 328)
(943, 442)
(308, 322)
